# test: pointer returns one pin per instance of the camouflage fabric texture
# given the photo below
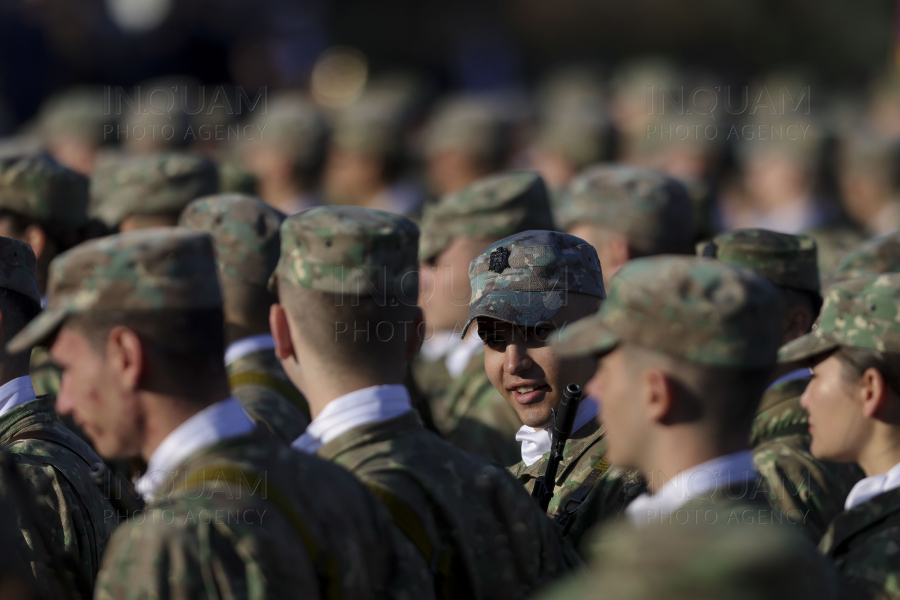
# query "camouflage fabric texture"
(38, 187)
(880, 255)
(591, 501)
(45, 375)
(294, 125)
(489, 209)
(17, 523)
(249, 518)
(372, 125)
(693, 308)
(490, 537)
(141, 270)
(788, 261)
(74, 518)
(79, 112)
(651, 210)
(153, 184)
(859, 313)
(349, 250)
(469, 124)
(808, 491)
(18, 268)
(524, 279)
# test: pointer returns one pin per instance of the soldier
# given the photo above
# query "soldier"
(627, 212)
(74, 125)
(880, 255)
(137, 321)
(853, 402)
(525, 288)
(246, 235)
(799, 485)
(346, 323)
(449, 371)
(868, 179)
(136, 192)
(73, 518)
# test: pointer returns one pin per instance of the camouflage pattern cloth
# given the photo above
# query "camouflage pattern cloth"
(249, 518)
(588, 490)
(651, 210)
(38, 187)
(291, 123)
(245, 232)
(470, 124)
(79, 112)
(489, 209)
(788, 261)
(155, 184)
(879, 255)
(487, 537)
(75, 518)
(833, 244)
(45, 375)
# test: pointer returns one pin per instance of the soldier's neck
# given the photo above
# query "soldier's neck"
(676, 451)
(161, 416)
(882, 449)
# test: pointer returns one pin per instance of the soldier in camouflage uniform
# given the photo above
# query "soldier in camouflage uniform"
(346, 324)
(626, 212)
(852, 402)
(136, 192)
(74, 125)
(246, 234)
(524, 288)
(449, 371)
(879, 255)
(74, 518)
(799, 484)
(137, 323)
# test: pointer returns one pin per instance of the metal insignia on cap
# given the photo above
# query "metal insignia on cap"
(499, 260)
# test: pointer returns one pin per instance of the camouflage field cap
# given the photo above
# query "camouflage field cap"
(491, 208)
(468, 123)
(857, 313)
(369, 126)
(145, 270)
(246, 233)
(291, 122)
(350, 250)
(880, 255)
(18, 268)
(524, 279)
(693, 308)
(161, 183)
(651, 210)
(786, 260)
(36, 186)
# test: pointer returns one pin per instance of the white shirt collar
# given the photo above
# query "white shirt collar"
(536, 442)
(869, 487)
(220, 421)
(792, 376)
(15, 393)
(248, 345)
(368, 405)
(696, 482)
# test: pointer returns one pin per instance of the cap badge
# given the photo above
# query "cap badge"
(499, 260)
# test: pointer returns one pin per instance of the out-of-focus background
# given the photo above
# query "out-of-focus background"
(784, 115)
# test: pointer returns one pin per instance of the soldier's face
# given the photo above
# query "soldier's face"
(837, 421)
(444, 288)
(614, 382)
(91, 391)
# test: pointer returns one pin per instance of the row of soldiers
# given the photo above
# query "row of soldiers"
(241, 353)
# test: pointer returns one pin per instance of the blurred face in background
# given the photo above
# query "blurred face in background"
(444, 288)
(352, 177)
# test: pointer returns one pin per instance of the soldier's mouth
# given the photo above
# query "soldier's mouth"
(526, 394)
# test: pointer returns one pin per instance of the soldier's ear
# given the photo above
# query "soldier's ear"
(281, 332)
(36, 237)
(874, 393)
(659, 395)
(125, 353)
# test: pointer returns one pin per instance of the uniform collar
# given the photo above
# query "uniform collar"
(536, 442)
(248, 345)
(869, 487)
(15, 393)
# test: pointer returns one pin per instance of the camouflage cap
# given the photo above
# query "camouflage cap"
(858, 313)
(524, 279)
(786, 260)
(144, 270)
(18, 268)
(489, 209)
(245, 231)
(291, 122)
(467, 123)
(38, 187)
(371, 125)
(350, 250)
(693, 308)
(152, 184)
(651, 210)
(880, 255)
(78, 111)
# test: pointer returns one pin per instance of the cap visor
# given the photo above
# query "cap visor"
(587, 337)
(38, 330)
(806, 348)
(526, 309)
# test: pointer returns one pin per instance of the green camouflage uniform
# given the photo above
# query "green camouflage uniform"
(75, 518)
(862, 542)
(525, 279)
(478, 528)
(803, 488)
(469, 412)
(245, 232)
(155, 184)
(879, 255)
(271, 523)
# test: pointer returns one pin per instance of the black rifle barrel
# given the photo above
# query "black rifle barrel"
(563, 422)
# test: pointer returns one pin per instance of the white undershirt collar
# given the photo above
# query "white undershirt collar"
(536, 442)
(368, 405)
(869, 487)
(15, 393)
(248, 345)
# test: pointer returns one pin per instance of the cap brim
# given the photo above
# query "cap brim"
(587, 337)
(806, 348)
(526, 309)
(41, 328)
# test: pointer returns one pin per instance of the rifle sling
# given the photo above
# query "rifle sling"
(278, 386)
(577, 498)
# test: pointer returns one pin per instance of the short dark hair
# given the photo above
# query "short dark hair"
(856, 361)
(811, 301)
(18, 310)
(64, 238)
